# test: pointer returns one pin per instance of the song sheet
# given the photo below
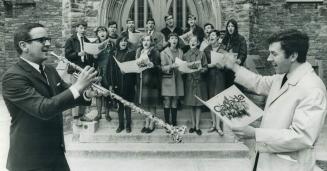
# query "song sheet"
(130, 66)
(233, 107)
(183, 66)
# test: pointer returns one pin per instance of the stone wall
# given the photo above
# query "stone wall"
(2, 38)
(47, 12)
(270, 16)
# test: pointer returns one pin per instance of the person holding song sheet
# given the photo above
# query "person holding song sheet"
(295, 108)
(123, 84)
(74, 52)
(195, 83)
(172, 86)
(148, 81)
(215, 77)
(235, 43)
(36, 96)
(102, 66)
(131, 33)
(208, 27)
(192, 30)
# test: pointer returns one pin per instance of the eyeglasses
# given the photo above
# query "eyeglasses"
(40, 39)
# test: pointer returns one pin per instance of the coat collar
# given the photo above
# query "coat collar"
(170, 54)
(292, 79)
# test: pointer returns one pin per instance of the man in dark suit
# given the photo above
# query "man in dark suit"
(130, 29)
(74, 52)
(36, 96)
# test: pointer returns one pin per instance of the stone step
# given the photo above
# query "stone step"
(157, 150)
(87, 164)
(139, 123)
(183, 113)
(159, 135)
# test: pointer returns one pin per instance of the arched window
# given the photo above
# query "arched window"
(141, 10)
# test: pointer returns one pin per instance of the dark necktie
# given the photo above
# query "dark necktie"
(256, 162)
(82, 42)
(284, 80)
(42, 72)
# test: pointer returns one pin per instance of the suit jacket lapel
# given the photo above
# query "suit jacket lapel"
(51, 80)
(29, 69)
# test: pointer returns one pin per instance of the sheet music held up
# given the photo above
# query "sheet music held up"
(233, 107)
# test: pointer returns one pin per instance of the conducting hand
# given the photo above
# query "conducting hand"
(246, 132)
(85, 78)
(230, 61)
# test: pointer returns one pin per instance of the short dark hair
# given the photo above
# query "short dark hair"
(191, 16)
(150, 19)
(22, 33)
(292, 41)
(129, 19)
(81, 22)
(100, 28)
(112, 23)
(215, 31)
(208, 24)
(168, 16)
(174, 35)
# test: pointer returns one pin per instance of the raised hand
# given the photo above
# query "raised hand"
(85, 78)
(230, 61)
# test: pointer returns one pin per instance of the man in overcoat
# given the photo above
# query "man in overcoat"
(295, 109)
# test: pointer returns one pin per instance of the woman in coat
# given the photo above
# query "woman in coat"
(234, 43)
(102, 62)
(148, 81)
(215, 77)
(195, 83)
(172, 86)
(123, 84)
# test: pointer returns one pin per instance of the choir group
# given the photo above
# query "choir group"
(162, 84)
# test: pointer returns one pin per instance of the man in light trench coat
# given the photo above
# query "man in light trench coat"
(295, 109)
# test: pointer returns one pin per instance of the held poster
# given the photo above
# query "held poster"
(233, 107)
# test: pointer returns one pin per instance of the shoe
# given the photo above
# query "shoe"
(108, 118)
(143, 130)
(119, 129)
(97, 118)
(220, 132)
(167, 131)
(212, 129)
(198, 131)
(151, 130)
(128, 129)
(85, 119)
(192, 130)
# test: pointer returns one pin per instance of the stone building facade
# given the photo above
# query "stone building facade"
(257, 20)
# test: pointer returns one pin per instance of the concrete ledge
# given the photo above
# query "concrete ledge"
(157, 150)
